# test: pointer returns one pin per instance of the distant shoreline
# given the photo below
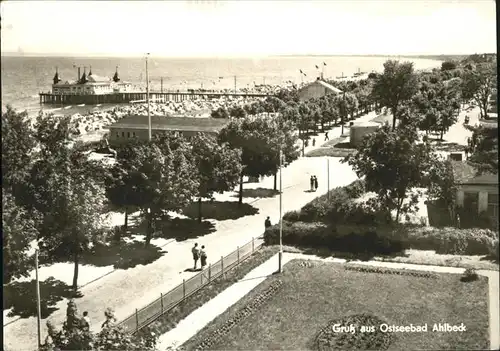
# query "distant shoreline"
(441, 57)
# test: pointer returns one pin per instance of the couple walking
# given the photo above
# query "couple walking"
(199, 255)
(314, 183)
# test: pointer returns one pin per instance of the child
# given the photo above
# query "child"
(203, 257)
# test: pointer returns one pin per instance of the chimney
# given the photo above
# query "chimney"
(79, 76)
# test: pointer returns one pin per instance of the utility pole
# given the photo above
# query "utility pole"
(264, 80)
(38, 307)
(280, 254)
(147, 97)
(343, 113)
(235, 84)
(161, 82)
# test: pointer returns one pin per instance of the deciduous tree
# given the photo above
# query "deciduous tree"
(18, 230)
(391, 163)
(218, 167)
(395, 86)
(478, 84)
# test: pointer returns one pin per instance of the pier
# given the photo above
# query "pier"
(126, 97)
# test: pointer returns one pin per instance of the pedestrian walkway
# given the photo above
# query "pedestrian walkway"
(196, 321)
(126, 290)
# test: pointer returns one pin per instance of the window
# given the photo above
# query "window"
(123, 134)
(128, 134)
(133, 134)
(117, 135)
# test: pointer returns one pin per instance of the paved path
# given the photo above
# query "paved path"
(126, 290)
(201, 317)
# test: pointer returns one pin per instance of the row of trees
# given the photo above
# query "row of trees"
(55, 194)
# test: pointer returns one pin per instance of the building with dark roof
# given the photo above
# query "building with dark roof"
(477, 190)
(317, 89)
(135, 126)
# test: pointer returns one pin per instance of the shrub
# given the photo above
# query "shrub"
(453, 241)
(469, 275)
(493, 249)
(335, 206)
(354, 239)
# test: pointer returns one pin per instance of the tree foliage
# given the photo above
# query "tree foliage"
(17, 148)
(18, 230)
(259, 139)
(395, 86)
(75, 335)
(478, 85)
(392, 163)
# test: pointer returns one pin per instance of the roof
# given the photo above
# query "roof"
(365, 124)
(97, 79)
(192, 124)
(465, 173)
(328, 86)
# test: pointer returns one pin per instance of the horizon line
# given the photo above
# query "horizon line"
(78, 55)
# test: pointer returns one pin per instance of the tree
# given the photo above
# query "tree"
(74, 220)
(392, 163)
(219, 167)
(237, 112)
(159, 175)
(442, 186)
(257, 138)
(221, 112)
(478, 84)
(485, 149)
(395, 86)
(448, 65)
(18, 230)
(17, 148)
(75, 335)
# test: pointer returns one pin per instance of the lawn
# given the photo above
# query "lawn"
(298, 314)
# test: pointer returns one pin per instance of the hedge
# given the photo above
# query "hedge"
(337, 206)
(385, 240)
(341, 238)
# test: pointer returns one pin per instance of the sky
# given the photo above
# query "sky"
(249, 28)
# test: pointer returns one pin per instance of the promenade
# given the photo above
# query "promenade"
(126, 290)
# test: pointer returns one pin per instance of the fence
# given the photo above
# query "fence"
(166, 302)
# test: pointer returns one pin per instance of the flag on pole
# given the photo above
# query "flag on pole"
(324, 64)
(317, 67)
(301, 71)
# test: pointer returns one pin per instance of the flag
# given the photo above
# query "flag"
(317, 67)
(221, 77)
(301, 71)
(305, 75)
(324, 64)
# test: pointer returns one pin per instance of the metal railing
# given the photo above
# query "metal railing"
(148, 314)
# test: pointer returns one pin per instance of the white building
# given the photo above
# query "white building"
(317, 89)
(90, 85)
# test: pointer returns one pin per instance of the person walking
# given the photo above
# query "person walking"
(314, 142)
(311, 180)
(203, 257)
(267, 223)
(326, 136)
(196, 254)
(315, 183)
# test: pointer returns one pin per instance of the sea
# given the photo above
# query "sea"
(23, 78)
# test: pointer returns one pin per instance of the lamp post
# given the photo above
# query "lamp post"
(280, 254)
(147, 97)
(328, 175)
(38, 307)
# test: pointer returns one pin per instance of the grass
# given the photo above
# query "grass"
(330, 152)
(315, 293)
(411, 256)
(169, 320)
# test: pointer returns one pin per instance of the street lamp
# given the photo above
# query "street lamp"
(280, 254)
(38, 307)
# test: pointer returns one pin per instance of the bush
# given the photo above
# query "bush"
(470, 275)
(354, 239)
(453, 241)
(337, 206)
(494, 251)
